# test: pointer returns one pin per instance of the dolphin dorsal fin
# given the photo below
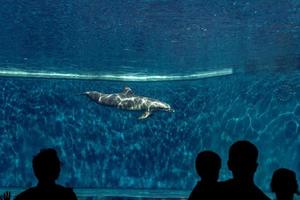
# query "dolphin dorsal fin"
(127, 91)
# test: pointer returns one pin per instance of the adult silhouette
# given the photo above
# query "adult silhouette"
(242, 162)
(284, 184)
(207, 165)
(46, 167)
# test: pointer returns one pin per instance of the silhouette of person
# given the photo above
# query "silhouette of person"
(207, 165)
(284, 184)
(46, 167)
(242, 162)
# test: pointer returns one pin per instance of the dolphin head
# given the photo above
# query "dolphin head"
(165, 107)
(169, 109)
(94, 95)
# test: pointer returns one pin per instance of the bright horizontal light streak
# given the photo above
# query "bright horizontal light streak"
(115, 77)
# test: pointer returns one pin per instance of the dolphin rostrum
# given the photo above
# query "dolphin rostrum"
(127, 100)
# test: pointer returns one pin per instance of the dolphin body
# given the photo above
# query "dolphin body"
(128, 101)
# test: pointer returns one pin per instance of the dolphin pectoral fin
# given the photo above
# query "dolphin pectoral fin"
(145, 115)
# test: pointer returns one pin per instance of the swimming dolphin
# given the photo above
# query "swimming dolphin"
(128, 101)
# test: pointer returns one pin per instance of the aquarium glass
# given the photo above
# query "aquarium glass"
(230, 70)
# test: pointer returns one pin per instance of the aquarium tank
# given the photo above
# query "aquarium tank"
(229, 69)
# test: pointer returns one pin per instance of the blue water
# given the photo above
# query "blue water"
(150, 36)
(102, 147)
(109, 148)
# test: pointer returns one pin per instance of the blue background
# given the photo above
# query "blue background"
(109, 148)
(149, 36)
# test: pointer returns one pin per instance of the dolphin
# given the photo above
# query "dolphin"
(127, 100)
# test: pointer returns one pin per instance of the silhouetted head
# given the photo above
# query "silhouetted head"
(284, 184)
(243, 159)
(46, 165)
(208, 165)
(94, 95)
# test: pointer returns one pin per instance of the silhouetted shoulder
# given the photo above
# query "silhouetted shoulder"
(195, 192)
(205, 191)
(66, 192)
(26, 194)
(235, 190)
(56, 192)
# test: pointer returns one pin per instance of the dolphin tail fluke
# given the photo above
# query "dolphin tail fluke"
(83, 93)
(145, 115)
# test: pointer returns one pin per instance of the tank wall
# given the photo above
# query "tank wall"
(149, 36)
(110, 148)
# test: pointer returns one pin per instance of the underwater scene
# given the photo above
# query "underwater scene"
(215, 71)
